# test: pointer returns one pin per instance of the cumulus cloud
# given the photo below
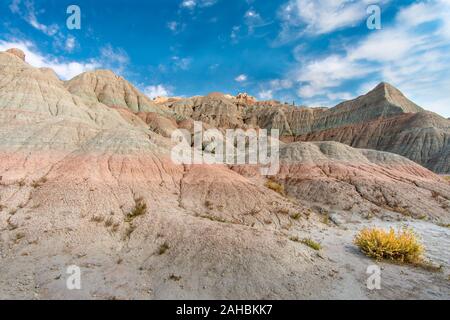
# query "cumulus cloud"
(411, 54)
(157, 91)
(30, 15)
(317, 17)
(265, 95)
(180, 63)
(70, 44)
(64, 69)
(28, 12)
(192, 4)
(109, 58)
(241, 78)
(115, 59)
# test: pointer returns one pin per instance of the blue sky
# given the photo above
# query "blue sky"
(313, 52)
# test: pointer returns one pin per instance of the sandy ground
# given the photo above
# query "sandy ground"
(294, 271)
(397, 281)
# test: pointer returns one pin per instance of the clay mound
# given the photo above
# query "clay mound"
(219, 194)
(215, 110)
(364, 181)
(29, 94)
(422, 137)
(106, 87)
(337, 177)
(17, 52)
(159, 124)
(383, 100)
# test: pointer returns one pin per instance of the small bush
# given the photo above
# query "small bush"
(97, 218)
(109, 222)
(306, 241)
(275, 186)
(209, 205)
(163, 248)
(140, 208)
(213, 218)
(312, 244)
(37, 183)
(379, 244)
(296, 216)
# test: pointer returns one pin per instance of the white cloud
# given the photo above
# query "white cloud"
(235, 33)
(407, 54)
(265, 95)
(64, 69)
(27, 11)
(241, 78)
(279, 84)
(115, 59)
(15, 6)
(339, 96)
(321, 16)
(70, 44)
(172, 25)
(317, 75)
(31, 18)
(182, 63)
(157, 91)
(192, 4)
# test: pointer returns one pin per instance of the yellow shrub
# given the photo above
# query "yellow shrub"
(275, 186)
(379, 244)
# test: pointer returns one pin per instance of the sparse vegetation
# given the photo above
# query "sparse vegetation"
(20, 235)
(275, 186)
(174, 277)
(402, 210)
(163, 248)
(128, 231)
(326, 220)
(38, 183)
(109, 222)
(308, 242)
(214, 218)
(140, 208)
(379, 244)
(312, 244)
(295, 215)
(209, 205)
(283, 211)
(97, 218)
(21, 183)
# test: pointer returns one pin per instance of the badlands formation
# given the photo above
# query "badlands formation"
(86, 179)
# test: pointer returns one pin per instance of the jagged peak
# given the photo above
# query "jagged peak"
(384, 94)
